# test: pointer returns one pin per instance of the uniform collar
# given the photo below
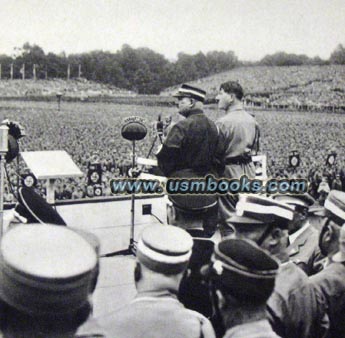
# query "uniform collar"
(192, 112)
(156, 294)
(235, 107)
(297, 233)
(250, 329)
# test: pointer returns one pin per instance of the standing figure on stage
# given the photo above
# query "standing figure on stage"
(191, 143)
(238, 138)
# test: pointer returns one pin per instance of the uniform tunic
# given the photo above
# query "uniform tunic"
(193, 292)
(190, 144)
(157, 314)
(304, 247)
(292, 307)
(329, 287)
(90, 329)
(238, 131)
(257, 329)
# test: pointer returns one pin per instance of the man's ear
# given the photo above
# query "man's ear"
(171, 214)
(192, 102)
(328, 234)
(137, 272)
(275, 237)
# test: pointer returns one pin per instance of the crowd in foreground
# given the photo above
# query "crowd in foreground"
(275, 270)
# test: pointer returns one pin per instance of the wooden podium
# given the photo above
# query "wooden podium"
(50, 165)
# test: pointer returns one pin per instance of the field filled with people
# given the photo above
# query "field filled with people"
(306, 87)
(91, 132)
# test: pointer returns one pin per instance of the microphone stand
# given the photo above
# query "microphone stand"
(131, 247)
(3, 151)
(133, 130)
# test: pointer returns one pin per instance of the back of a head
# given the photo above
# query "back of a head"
(193, 210)
(163, 251)
(243, 270)
(46, 274)
(233, 87)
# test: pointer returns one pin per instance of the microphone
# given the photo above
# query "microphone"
(3, 139)
(14, 132)
(134, 129)
(160, 125)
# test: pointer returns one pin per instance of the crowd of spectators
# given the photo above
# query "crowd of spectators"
(88, 132)
(91, 133)
(294, 87)
(74, 88)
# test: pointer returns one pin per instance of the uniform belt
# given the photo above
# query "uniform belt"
(241, 159)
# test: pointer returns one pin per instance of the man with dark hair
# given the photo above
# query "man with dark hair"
(163, 253)
(191, 143)
(242, 278)
(292, 307)
(238, 138)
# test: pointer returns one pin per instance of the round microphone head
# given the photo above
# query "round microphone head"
(134, 129)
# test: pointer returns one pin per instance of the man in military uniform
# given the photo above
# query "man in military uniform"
(292, 307)
(242, 278)
(303, 237)
(45, 286)
(197, 214)
(238, 137)
(329, 284)
(191, 143)
(163, 253)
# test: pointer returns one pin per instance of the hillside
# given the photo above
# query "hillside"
(76, 88)
(296, 85)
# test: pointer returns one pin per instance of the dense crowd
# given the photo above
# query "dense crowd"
(76, 88)
(88, 133)
(92, 133)
(297, 87)
(273, 267)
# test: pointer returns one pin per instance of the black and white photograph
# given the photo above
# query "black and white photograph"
(172, 169)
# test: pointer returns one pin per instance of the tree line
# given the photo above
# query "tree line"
(138, 69)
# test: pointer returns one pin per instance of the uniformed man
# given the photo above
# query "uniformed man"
(242, 278)
(303, 237)
(329, 284)
(191, 143)
(34, 209)
(44, 285)
(197, 214)
(31, 208)
(238, 138)
(292, 307)
(163, 253)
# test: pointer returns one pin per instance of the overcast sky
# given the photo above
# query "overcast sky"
(250, 28)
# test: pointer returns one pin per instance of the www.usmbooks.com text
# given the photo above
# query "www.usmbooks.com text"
(209, 185)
